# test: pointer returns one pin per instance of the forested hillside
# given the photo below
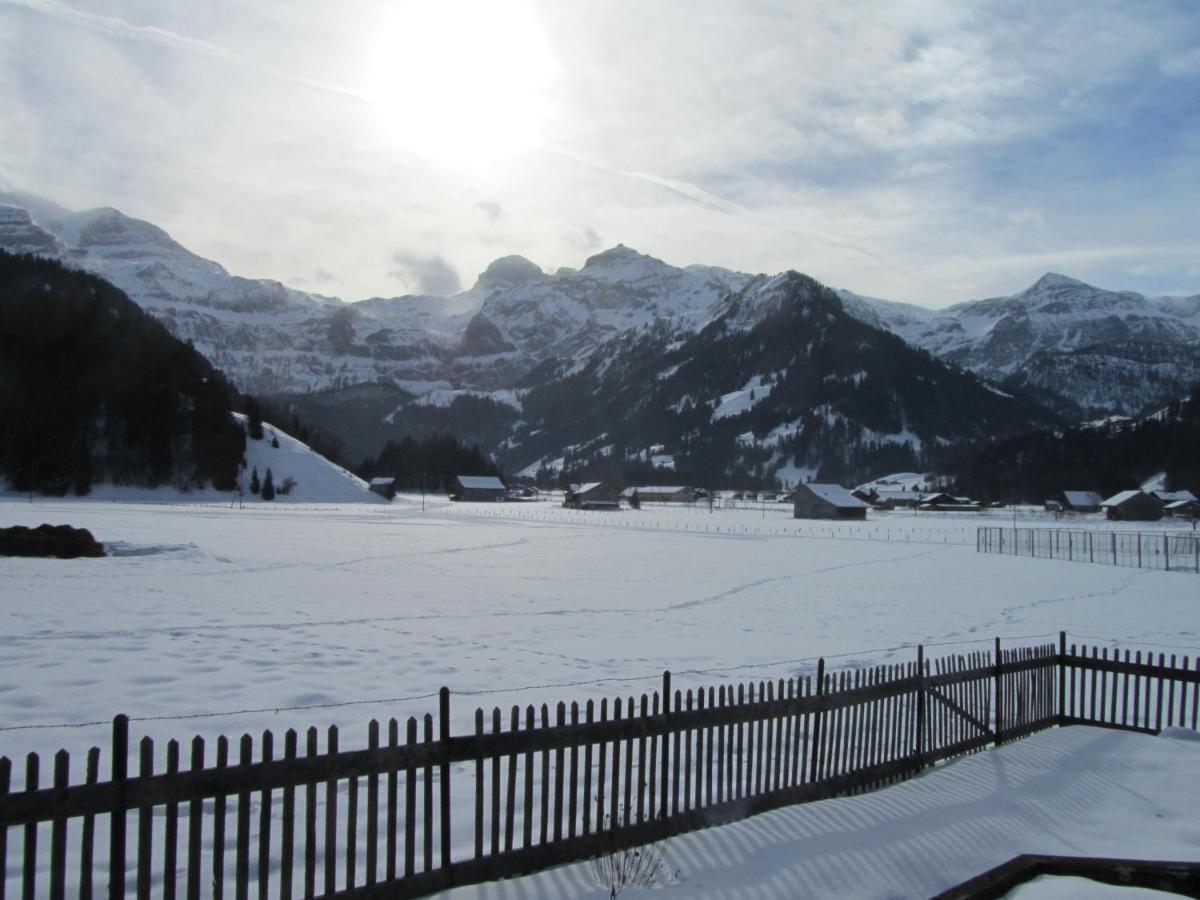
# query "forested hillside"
(93, 389)
(1105, 458)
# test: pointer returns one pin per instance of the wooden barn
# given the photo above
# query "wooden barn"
(1133, 506)
(592, 495)
(1184, 509)
(661, 494)
(485, 488)
(384, 486)
(1080, 501)
(827, 501)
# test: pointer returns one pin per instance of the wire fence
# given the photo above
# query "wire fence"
(1166, 551)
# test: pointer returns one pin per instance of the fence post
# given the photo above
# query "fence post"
(814, 767)
(1139, 535)
(444, 776)
(1114, 546)
(1091, 548)
(1062, 676)
(999, 725)
(664, 768)
(920, 706)
(1166, 551)
(116, 829)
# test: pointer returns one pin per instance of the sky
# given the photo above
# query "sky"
(930, 151)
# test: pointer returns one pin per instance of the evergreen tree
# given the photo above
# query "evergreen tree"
(255, 484)
(268, 486)
(254, 422)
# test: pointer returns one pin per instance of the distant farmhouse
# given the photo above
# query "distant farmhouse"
(827, 501)
(486, 488)
(1183, 509)
(384, 486)
(659, 494)
(592, 495)
(1080, 501)
(1133, 506)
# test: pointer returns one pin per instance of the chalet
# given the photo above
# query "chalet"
(1079, 501)
(523, 493)
(486, 488)
(593, 495)
(383, 486)
(891, 498)
(1183, 509)
(1133, 506)
(659, 494)
(827, 501)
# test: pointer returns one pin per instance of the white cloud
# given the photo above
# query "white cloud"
(917, 150)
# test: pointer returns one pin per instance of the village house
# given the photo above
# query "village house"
(827, 501)
(1080, 501)
(660, 494)
(486, 488)
(593, 495)
(1133, 506)
(1183, 509)
(384, 486)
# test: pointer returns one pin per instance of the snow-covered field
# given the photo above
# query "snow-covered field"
(365, 610)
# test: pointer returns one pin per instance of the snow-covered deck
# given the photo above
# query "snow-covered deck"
(1075, 791)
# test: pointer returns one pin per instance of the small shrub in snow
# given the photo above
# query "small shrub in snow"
(617, 867)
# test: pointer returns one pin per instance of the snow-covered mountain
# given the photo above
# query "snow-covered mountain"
(1100, 351)
(268, 337)
(1083, 350)
(780, 384)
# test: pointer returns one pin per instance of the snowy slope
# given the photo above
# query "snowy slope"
(317, 479)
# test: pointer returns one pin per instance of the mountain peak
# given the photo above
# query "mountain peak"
(618, 255)
(508, 271)
(1054, 280)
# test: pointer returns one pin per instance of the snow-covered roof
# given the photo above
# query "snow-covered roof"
(659, 489)
(1182, 504)
(1082, 498)
(382, 481)
(583, 488)
(478, 482)
(1118, 499)
(1173, 496)
(837, 495)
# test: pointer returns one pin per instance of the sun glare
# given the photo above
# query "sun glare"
(463, 82)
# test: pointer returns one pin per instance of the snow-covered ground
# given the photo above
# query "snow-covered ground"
(357, 611)
(1071, 791)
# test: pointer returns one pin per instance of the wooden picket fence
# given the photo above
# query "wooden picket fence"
(1171, 551)
(546, 790)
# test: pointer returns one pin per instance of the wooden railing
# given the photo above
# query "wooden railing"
(420, 809)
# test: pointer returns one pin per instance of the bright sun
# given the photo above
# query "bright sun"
(463, 82)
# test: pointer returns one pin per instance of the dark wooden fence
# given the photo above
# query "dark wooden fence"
(420, 809)
(1169, 551)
